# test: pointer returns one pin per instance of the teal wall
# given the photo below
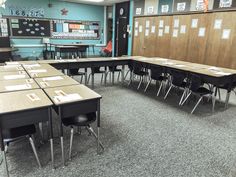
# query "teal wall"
(131, 27)
(76, 12)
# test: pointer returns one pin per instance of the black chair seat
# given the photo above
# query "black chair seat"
(97, 70)
(81, 120)
(18, 132)
(141, 73)
(76, 72)
(114, 69)
(203, 91)
(159, 78)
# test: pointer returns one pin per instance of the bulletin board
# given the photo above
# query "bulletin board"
(29, 27)
(4, 27)
(65, 29)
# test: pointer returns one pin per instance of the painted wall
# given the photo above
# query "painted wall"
(76, 12)
(151, 4)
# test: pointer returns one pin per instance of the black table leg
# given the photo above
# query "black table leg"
(51, 135)
(123, 74)
(4, 153)
(92, 77)
(98, 127)
(61, 137)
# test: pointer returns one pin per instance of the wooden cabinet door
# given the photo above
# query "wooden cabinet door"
(138, 37)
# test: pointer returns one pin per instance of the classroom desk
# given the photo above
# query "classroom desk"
(13, 75)
(73, 101)
(17, 85)
(34, 107)
(44, 71)
(9, 68)
(55, 81)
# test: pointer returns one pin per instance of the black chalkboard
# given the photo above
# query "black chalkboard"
(30, 27)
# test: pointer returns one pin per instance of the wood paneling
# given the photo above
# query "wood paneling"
(138, 37)
(196, 44)
(179, 44)
(163, 42)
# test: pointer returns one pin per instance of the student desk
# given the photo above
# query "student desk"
(44, 71)
(13, 75)
(34, 107)
(72, 101)
(18, 84)
(55, 81)
(9, 68)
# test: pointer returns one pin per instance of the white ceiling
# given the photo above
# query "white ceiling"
(105, 2)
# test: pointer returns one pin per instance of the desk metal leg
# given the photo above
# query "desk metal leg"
(123, 74)
(92, 78)
(98, 127)
(61, 138)
(214, 100)
(105, 78)
(86, 75)
(51, 136)
(113, 75)
(4, 153)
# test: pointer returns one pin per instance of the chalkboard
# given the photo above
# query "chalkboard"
(67, 29)
(30, 27)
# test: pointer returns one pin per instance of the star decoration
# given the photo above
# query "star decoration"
(64, 11)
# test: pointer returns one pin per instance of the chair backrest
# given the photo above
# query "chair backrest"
(156, 72)
(137, 68)
(178, 77)
(195, 82)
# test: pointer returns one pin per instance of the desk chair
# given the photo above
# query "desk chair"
(196, 88)
(157, 74)
(96, 70)
(130, 66)
(114, 69)
(77, 72)
(140, 71)
(178, 80)
(14, 134)
(80, 121)
(107, 51)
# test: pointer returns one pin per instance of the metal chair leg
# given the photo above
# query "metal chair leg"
(131, 78)
(41, 130)
(185, 90)
(219, 94)
(227, 99)
(186, 98)
(71, 141)
(90, 129)
(81, 79)
(159, 90)
(102, 78)
(88, 78)
(34, 150)
(141, 80)
(126, 74)
(200, 99)
(149, 82)
(5, 162)
(167, 93)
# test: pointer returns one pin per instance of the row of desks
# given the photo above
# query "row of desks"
(29, 92)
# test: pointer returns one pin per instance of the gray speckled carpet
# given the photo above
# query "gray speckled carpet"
(143, 136)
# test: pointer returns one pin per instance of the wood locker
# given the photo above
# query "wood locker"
(163, 37)
(179, 38)
(149, 37)
(138, 37)
(199, 31)
(221, 38)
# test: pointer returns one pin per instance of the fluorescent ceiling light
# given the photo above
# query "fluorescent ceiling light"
(93, 0)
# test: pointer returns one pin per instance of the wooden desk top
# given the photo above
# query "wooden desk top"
(44, 72)
(70, 94)
(23, 100)
(16, 85)
(9, 68)
(21, 62)
(56, 81)
(13, 75)
(6, 49)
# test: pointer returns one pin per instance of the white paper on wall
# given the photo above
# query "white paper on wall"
(225, 3)
(136, 33)
(140, 29)
(147, 32)
(175, 33)
(194, 23)
(176, 23)
(153, 29)
(138, 11)
(165, 8)
(161, 23)
(147, 24)
(160, 32)
(181, 6)
(150, 10)
(182, 29)
(167, 29)
(201, 32)
(136, 24)
(226, 33)
(217, 24)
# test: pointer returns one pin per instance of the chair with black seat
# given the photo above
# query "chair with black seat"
(114, 69)
(196, 87)
(178, 80)
(158, 74)
(77, 72)
(14, 134)
(139, 70)
(81, 121)
(97, 70)
(130, 66)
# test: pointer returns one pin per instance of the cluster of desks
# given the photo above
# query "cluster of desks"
(29, 89)
(29, 92)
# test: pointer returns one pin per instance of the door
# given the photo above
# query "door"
(121, 34)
